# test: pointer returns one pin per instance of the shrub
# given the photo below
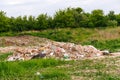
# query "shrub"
(112, 23)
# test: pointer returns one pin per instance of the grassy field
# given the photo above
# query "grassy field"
(102, 38)
(50, 69)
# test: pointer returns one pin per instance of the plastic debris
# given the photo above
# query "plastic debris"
(66, 56)
(105, 52)
(58, 50)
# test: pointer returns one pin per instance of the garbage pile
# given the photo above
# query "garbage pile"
(57, 50)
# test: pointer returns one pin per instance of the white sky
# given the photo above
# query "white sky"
(36, 7)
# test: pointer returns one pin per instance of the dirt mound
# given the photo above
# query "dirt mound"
(22, 41)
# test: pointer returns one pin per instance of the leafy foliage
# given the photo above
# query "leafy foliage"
(70, 17)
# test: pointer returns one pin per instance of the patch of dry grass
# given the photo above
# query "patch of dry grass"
(106, 34)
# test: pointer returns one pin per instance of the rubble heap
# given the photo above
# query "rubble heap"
(59, 50)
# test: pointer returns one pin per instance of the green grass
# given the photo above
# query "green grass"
(111, 45)
(98, 69)
(101, 38)
(3, 56)
(51, 69)
(26, 70)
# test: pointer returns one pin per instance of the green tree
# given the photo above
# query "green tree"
(12, 23)
(112, 23)
(4, 20)
(118, 19)
(78, 17)
(42, 22)
(18, 25)
(111, 15)
(31, 23)
(64, 18)
(84, 20)
(97, 18)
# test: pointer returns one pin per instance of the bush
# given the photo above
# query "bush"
(112, 23)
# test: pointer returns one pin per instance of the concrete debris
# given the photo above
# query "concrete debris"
(58, 50)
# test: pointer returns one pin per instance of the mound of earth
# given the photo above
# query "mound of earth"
(22, 41)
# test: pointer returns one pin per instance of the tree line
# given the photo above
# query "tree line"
(69, 17)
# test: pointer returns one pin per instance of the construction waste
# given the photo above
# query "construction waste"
(57, 50)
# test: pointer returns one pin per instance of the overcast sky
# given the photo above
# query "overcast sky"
(36, 7)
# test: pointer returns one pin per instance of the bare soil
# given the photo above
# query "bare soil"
(9, 44)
